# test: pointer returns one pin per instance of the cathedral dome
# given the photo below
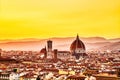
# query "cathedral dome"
(43, 50)
(77, 44)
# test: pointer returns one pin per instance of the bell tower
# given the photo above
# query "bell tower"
(49, 45)
(49, 49)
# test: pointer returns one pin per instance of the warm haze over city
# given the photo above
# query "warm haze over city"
(43, 19)
(59, 39)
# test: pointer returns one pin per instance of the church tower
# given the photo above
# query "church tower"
(49, 45)
(49, 49)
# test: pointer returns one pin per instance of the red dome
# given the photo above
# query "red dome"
(77, 44)
(43, 50)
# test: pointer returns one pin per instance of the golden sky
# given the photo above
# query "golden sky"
(59, 18)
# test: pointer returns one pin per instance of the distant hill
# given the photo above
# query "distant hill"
(112, 46)
(91, 43)
(114, 40)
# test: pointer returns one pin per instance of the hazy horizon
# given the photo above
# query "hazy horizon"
(57, 37)
(35, 44)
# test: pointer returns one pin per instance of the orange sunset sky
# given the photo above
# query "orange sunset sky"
(59, 18)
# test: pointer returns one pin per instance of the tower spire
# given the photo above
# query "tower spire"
(45, 47)
(77, 37)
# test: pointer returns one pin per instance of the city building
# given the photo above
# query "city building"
(6, 59)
